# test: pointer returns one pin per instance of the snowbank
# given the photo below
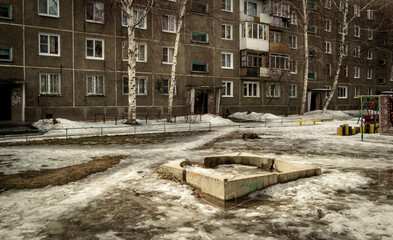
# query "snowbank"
(252, 116)
(216, 120)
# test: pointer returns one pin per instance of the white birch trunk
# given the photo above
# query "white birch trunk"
(340, 58)
(131, 118)
(306, 58)
(173, 70)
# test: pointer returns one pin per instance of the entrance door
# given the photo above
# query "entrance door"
(313, 101)
(201, 105)
(5, 102)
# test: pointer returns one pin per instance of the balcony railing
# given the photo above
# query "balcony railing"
(279, 47)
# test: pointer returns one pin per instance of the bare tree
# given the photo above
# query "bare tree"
(182, 4)
(305, 54)
(132, 22)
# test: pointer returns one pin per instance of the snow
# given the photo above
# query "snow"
(253, 116)
(352, 192)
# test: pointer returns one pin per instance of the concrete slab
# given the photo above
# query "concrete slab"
(227, 185)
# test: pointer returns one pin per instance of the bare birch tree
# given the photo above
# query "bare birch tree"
(305, 54)
(182, 10)
(132, 22)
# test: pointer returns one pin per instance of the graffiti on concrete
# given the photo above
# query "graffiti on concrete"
(252, 186)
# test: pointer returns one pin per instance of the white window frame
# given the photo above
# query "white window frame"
(141, 25)
(370, 14)
(369, 73)
(356, 51)
(370, 34)
(227, 91)
(369, 54)
(9, 50)
(356, 72)
(328, 47)
(369, 91)
(124, 51)
(328, 4)
(249, 87)
(94, 20)
(293, 41)
(293, 16)
(356, 10)
(168, 86)
(246, 9)
(225, 28)
(47, 14)
(95, 79)
(292, 66)
(49, 83)
(328, 70)
(137, 85)
(356, 92)
(328, 25)
(292, 91)
(344, 93)
(49, 35)
(356, 32)
(169, 17)
(225, 4)
(275, 88)
(170, 59)
(225, 64)
(94, 49)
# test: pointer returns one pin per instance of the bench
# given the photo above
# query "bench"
(301, 121)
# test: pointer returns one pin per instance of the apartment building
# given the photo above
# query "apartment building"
(68, 58)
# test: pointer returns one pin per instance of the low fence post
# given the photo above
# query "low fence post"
(134, 130)
(104, 117)
(146, 117)
(101, 131)
(189, 126)
(265, 122)
(164, 128)
(66, 133)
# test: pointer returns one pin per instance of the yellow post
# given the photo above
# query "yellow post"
(346, 129)
(371, 128)
(353, 131)
(339, 131)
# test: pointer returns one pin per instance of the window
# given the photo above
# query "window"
(328, 70)
(341, 6)
(293, 42)
(138, 14)
(369, 91)
(279, 61)
(255, 30)
(356, 31)
(168, 23)
(281, 9)
(356, 10)
(328, 25)
(5, 54)
(311, 29)
(293, 66)
(227, 88)
(356, 51)
(140, 52)
(167, 55)
(48, 8)
(5, 12)
(357, 72)
(50, 83)
(226, 32)
(251, 89)
(94, 48)
(381, 80)
(328, 47)
(292, 91)
(342, 92)
(370, 34)
(311, 5)
(95, 85)
(293, 18)
(381, 62)
(199, 37)
(274, 37)
(369, 73)
(369, 54)
(346, 70)
(311, 75)
(49, 44)
(328, 4)
(343, 48)
(340, 28)
(199, 67)
(370, 14)
(140, 85)
(95, 11)
(312, 53)
(227, 60)
(166, 85)
(199, 7)
(252, 59)
(273, 90)
(357, 92)
(250, 8)
(226, 5)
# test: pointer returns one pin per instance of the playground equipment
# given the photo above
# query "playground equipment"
(369, 111)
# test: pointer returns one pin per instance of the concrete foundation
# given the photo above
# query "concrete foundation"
(227, 186)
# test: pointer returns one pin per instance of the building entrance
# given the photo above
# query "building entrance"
(5, 102)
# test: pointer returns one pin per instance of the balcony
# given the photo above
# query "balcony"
(249, 72)
(264, 72)
(279, 48)
(261, 18)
